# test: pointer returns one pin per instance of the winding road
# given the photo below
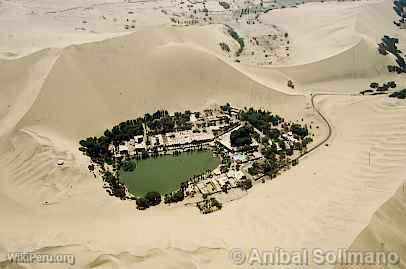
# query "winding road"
(324, 119)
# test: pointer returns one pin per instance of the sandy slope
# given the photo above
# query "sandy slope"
(53, 98)
(81, 96)
(385, 231)
(121, 78)
(337, 188)
(29, 26)
(334, 50)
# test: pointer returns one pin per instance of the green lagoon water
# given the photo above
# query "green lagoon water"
(165, 173)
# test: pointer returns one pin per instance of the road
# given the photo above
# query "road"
(321, 143)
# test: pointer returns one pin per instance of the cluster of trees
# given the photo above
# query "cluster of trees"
(389, 45)
(225, 5)
(117, 188)
(237, 38)
(224, 47)
(128, 166)
(398, 6)
(245, 184)
(174, 197)
(269, 167)
(241, 137)
(161, 126)
(297, 129)
(262, 120)
(306, 141)
(379, 89)
(384, 87)
(97, 148)
(227, 108)
(124, 131)
(160, 122)
(269, 152)
(209, 205)
(400, 94)
(152, 198)
(182, 121)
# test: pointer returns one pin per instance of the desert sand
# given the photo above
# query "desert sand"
(71, 70)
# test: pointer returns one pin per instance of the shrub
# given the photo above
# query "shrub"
(142, 203)
(374, 85)
(400, 94)
(129, 166)
(225, 5)
(174, 197)
(224, 47)
(237, 38)
(152, 198)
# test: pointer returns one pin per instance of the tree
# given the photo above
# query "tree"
(241, 137)
(142, 203)
(224, 47)
(273, 133)
(225, 5)
(153, 198)
(374, 85)
(265, 140)
(299, 130)
(245, 184)
(128, 166)
(237, 38)
(400, 94)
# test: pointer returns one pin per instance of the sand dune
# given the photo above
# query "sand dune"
(361, 60)
(338, 201)
(103, 93)
(385, 231)
(336, 50)
(322, 30)
(70, 94)
(53, 98)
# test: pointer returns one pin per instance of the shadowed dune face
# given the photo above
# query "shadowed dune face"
(385, 231)
(319, 31)
(334, 45)
(93, 85)
(21, 83)
(359, 61)
(316, 31)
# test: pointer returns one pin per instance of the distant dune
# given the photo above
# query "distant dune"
(122, 78)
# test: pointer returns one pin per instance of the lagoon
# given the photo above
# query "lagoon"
(165, 173)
